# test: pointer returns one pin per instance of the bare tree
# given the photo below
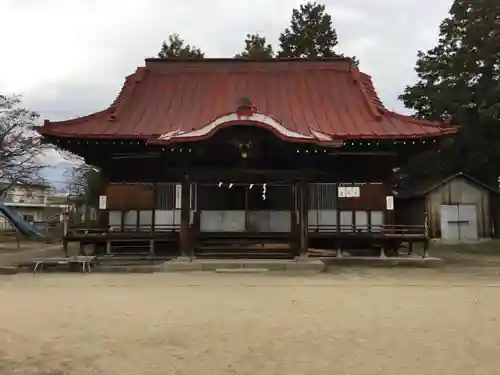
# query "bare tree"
(20, 146)
(83, 180)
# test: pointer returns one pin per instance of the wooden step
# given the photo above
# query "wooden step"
(241, 255)
(243, 243)
(263, 239)
(245, 234)
(243, 248)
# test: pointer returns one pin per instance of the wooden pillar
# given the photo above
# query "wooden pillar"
(152, 247)
(338, 205)
(426, 249)
(153, 211)
(82, 249)
(65, 247)
(389, 213)
(122, 221)
(102, 216)
(185, 213)
(410, 248)
(303, 190)
(293, 218)
(246, 209)
(426, 233)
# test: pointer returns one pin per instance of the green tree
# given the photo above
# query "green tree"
(175, 47)
(311, 34)
(256, 48)
(459, 79)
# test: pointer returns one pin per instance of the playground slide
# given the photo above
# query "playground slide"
(25, 228)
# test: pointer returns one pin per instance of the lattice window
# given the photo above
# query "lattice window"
(322, 196)
(166, 196)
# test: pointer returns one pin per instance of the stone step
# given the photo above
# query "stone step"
(308, 266)
(241, 270)
(243, 255)
(128, 268)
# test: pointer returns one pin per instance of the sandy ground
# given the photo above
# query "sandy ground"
(355, 322)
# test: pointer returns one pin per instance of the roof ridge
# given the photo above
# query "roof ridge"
(373, 108)
(238, 65)
(382, 110)
(126, 92)
(249, 71)
(247, 61)
(367, 82)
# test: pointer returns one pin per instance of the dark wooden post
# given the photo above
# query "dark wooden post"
(389, 217)
(246, 209)
(293, 219)
(153, 211)
(426, 231)
(185, 214)
(303, 190)
(122, 220)
(389, 214)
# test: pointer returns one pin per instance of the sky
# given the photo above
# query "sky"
(68, 58)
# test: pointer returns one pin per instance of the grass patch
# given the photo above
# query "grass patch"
(490, 248)
(481, 253)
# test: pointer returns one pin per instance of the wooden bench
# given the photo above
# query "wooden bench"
(84, 262)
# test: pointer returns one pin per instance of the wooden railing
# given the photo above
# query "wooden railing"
(149, 228)
(325, 228)
(126, 229)
(383, 229)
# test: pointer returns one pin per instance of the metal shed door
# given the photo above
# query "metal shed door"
(459, 222)
(467, 217)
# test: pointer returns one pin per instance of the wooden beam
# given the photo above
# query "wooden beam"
(294, 220)
(213, 175)
(153, 213)
(122, 220)
(303, 189)
(185, 213)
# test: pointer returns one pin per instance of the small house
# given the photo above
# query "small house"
(458, 208)
(35, 203)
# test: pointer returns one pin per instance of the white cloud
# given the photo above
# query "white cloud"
(69, 57)
(54, 43)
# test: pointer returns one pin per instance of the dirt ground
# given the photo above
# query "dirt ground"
(9, 253)
(356, 321)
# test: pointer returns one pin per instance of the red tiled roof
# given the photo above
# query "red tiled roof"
(301, 100)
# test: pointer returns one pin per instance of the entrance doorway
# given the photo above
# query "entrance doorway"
(251, 208)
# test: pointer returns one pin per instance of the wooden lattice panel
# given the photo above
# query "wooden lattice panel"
(130, 196)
